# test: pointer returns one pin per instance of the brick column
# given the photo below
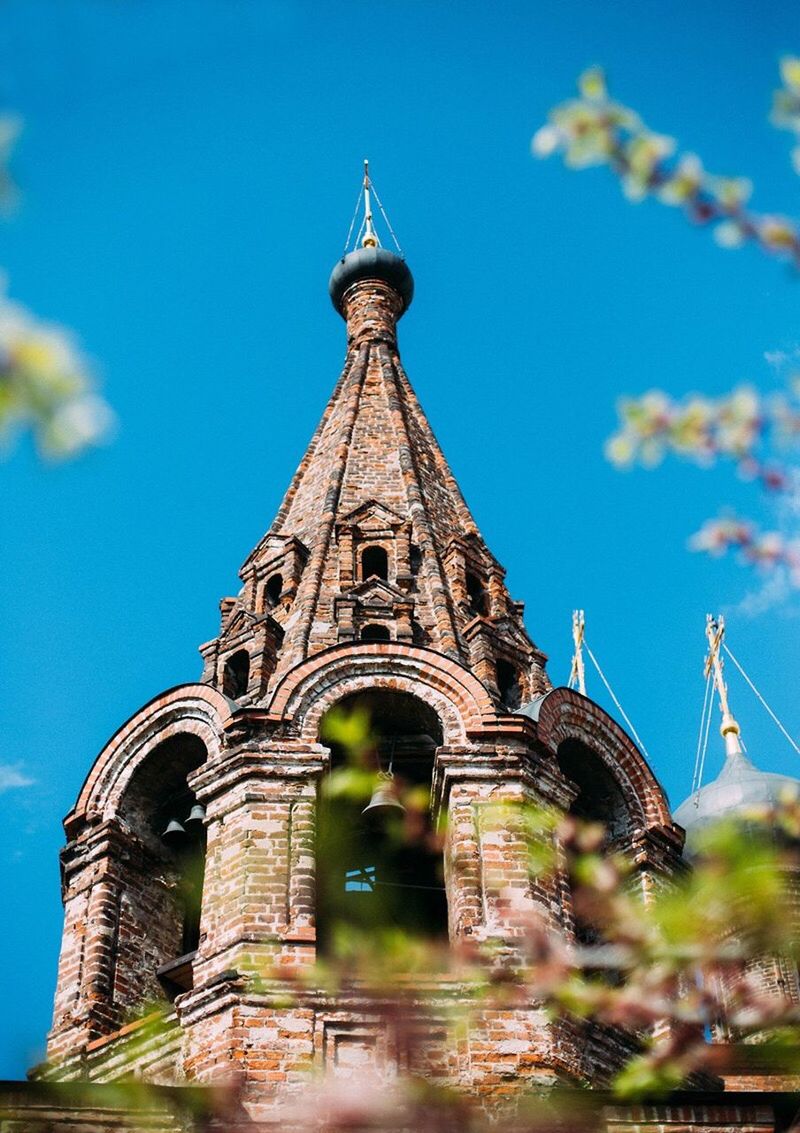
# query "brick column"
(372, 309)
(488, 887)
(486, 858)
(258, 895)
(84, 1001)
(258, 915)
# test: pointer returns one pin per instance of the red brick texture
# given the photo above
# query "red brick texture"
(373, 476)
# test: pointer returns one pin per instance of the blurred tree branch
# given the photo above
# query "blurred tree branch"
(745, 426)
(46, 383)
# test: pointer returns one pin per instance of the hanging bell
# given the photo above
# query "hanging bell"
(384, 802)
(196, 819)
(174, 835)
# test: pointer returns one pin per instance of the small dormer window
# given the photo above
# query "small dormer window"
(476, 594)
(374, 563)
(375, 633)
(415, 558)
(236, 675)
(273, 591)
(508, 684)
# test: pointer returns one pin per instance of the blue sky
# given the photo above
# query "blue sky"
(188, 173)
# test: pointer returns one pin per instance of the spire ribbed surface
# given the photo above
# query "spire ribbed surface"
(374, 476)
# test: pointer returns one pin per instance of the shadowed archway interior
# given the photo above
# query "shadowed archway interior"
(379, 869)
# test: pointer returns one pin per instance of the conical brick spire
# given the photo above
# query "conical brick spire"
(373, 540)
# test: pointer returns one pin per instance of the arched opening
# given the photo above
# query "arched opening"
(273, 591)
(379, 868)
(375, 633)
(508, 684)
(374, 563)
(236, 675)
(599, 799)
(477, 597)
(162, 878)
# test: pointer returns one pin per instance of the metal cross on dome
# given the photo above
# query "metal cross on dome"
(715, 632)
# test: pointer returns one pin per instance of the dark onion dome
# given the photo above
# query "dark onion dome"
(740, 787)
(371, 263)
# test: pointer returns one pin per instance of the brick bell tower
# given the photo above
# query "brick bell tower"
(193, 855)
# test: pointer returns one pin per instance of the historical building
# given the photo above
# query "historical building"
(203, 860)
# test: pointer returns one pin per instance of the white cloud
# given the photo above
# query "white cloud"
(11, 776)
(776, 590)
(780, 359)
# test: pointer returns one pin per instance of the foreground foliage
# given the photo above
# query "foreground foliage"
(752, 428)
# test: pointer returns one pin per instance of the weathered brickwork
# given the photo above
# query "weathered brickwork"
(245, 745)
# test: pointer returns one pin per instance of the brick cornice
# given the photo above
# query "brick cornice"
(226, 775)
(534, 773)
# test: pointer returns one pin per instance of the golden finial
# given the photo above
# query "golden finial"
(370, 239)
(729, 729)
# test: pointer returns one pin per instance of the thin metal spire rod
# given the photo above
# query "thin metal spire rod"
(729, 728)
(370, 239)
(577, 673)
(367, 235)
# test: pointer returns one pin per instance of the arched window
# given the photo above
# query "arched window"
(374, 563)
(162, 879)
(273, 591)
(599, 799)
(508, 684)
(236, 675)
(370, 877)
(375, 633)
(476, 595)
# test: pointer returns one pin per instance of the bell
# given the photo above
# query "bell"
(174, 835)
(196, 819)
(384, 802)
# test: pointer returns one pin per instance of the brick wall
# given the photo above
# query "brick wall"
(373, 475)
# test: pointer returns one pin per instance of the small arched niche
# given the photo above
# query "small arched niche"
(508, 684)
(162, 877)
(236, 675)
(375, 632)
(379, 870)
(273, 591)
(374, 563)
(477, 598)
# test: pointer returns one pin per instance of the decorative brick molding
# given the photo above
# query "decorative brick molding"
(461, 701)
(191, 708)
(565, 714)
